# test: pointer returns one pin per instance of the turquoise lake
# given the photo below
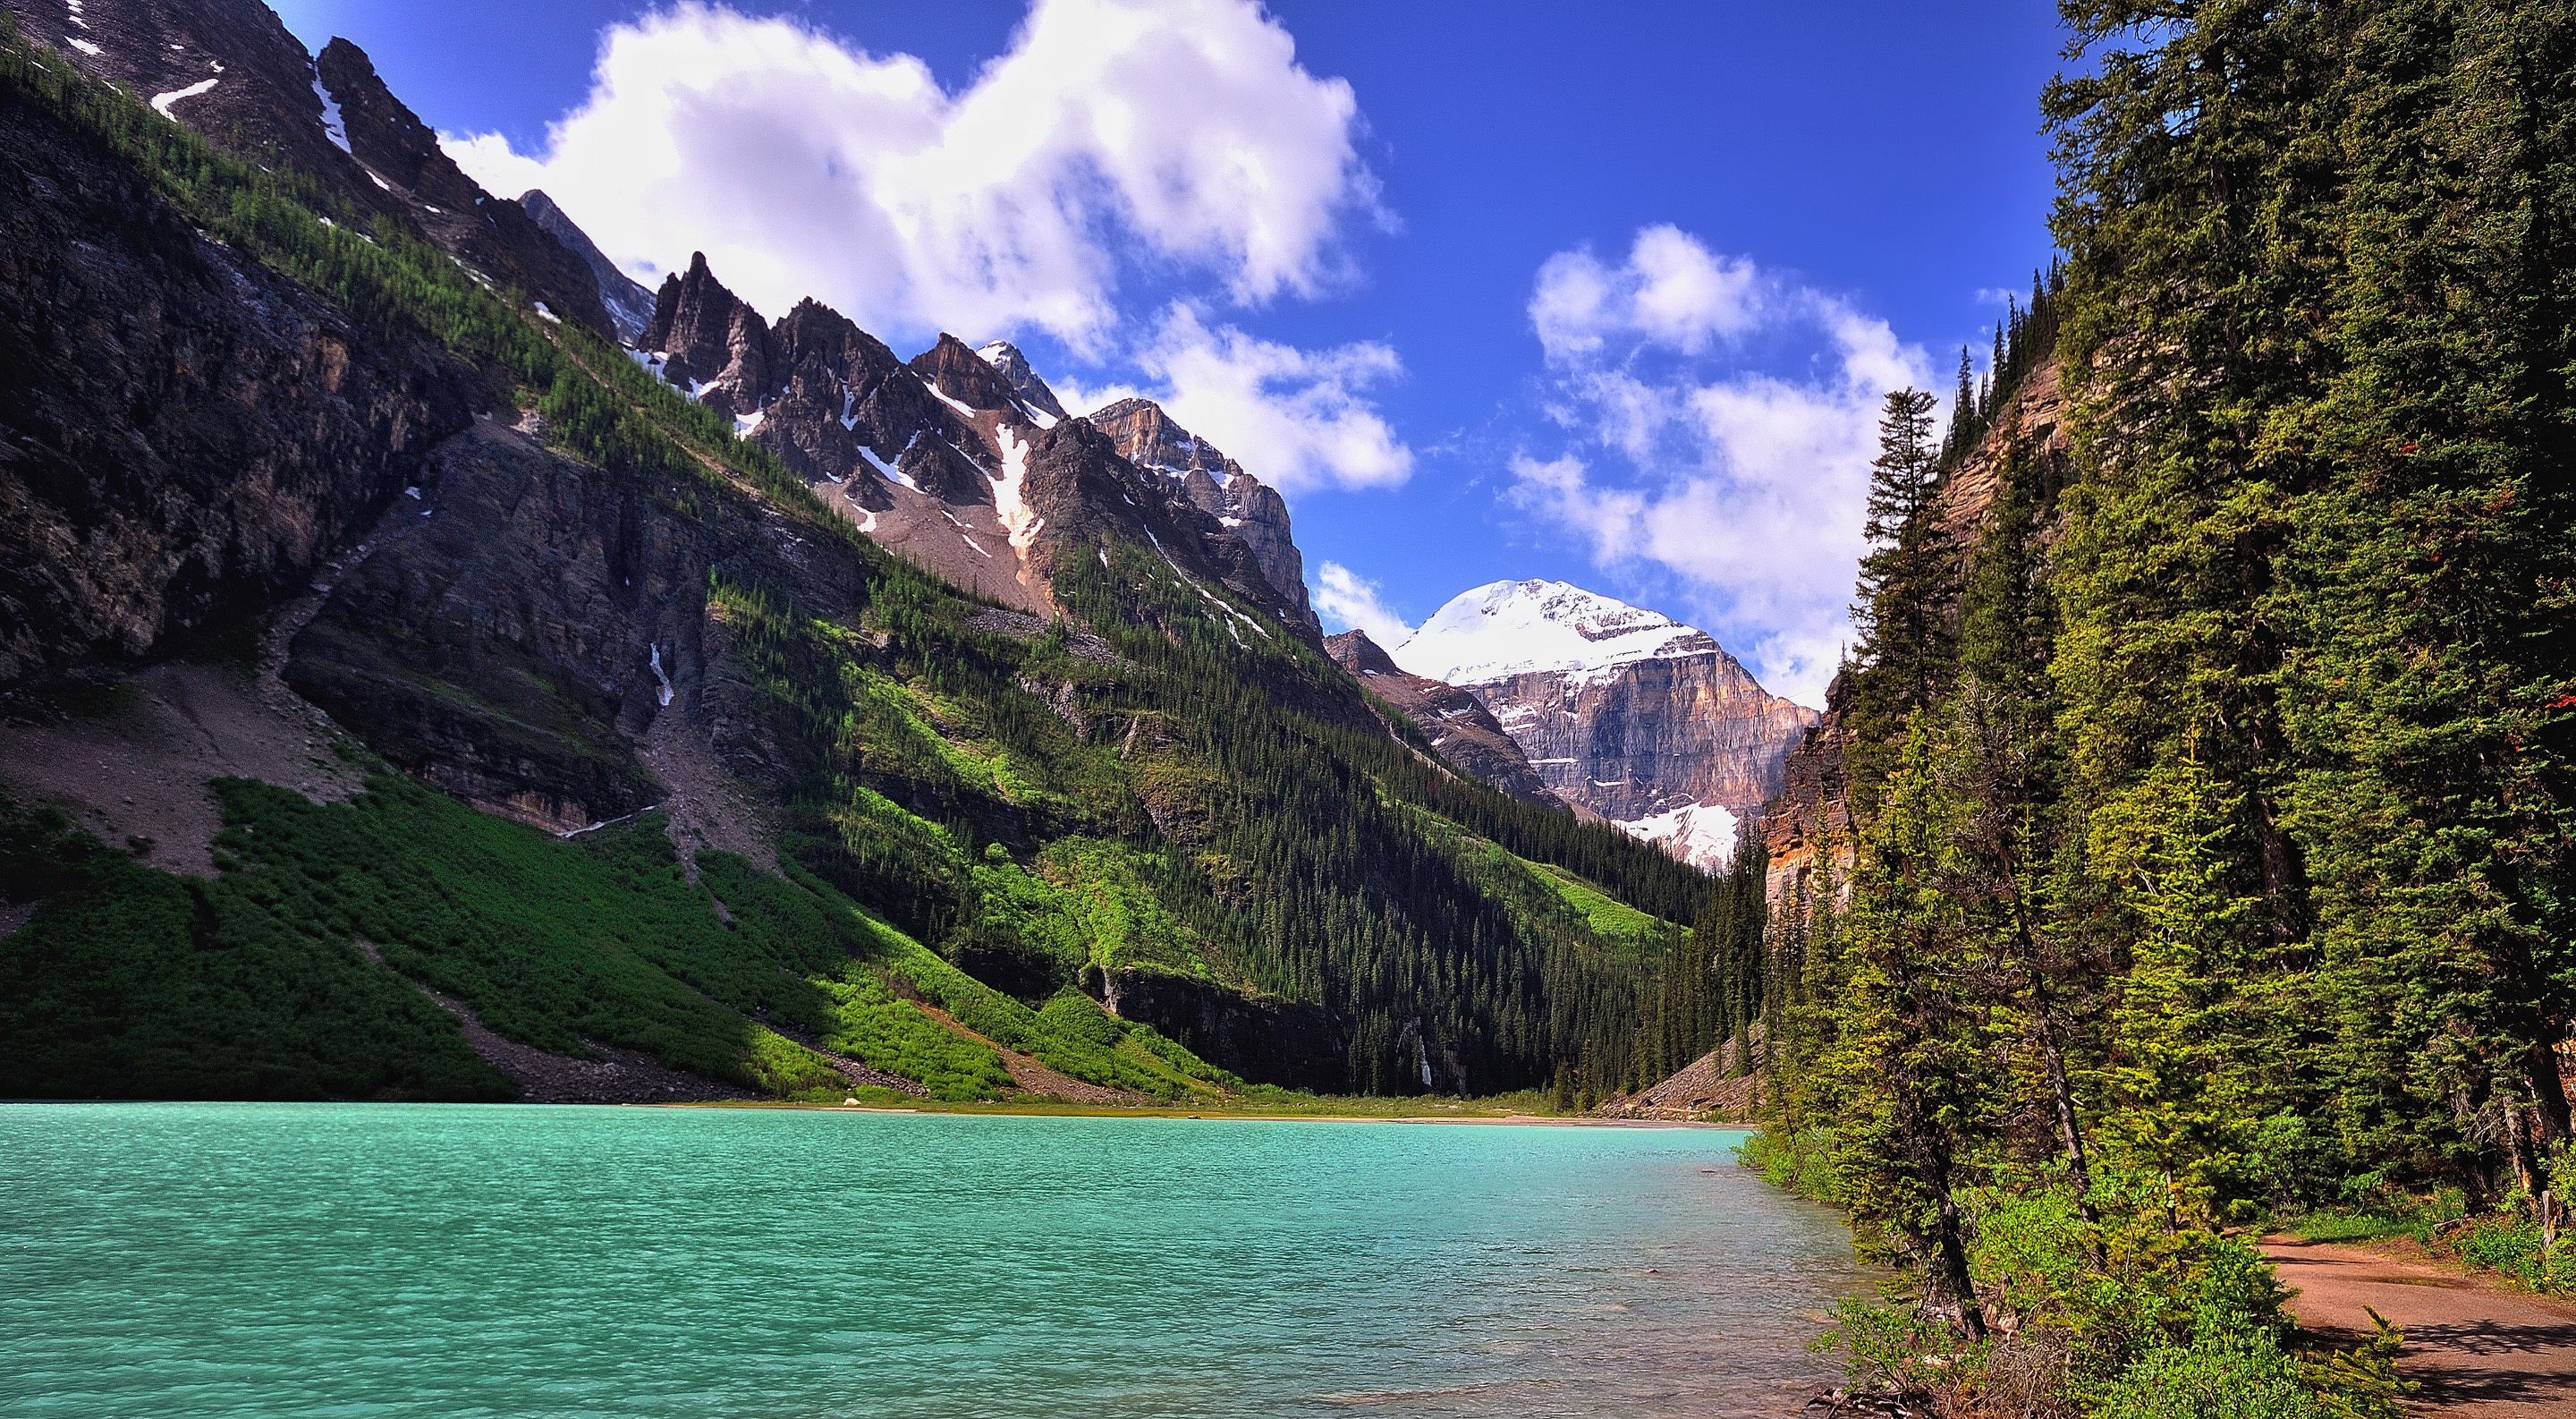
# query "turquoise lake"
(366, 1259)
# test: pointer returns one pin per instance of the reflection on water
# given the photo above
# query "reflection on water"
(351, 1259)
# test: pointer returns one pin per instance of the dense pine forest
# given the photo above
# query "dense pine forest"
(2211, 859)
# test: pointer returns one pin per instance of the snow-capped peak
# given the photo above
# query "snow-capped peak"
(1522, 627)
(1037, 400)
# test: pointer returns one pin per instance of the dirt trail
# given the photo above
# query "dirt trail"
(2477, 1348)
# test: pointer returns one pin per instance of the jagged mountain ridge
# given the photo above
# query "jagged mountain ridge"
(957, 459)
(1623, 712)
(630, 306)
(572, 598)
(230, 69)
(1216, 485)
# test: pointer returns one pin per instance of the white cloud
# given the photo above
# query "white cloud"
(1175, 135)
(1671, 290)
(1744, 484)
(1296, 419)
(1346, 600)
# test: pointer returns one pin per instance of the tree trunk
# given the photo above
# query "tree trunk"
(2549, 1091)
(1954, 1263)
(2061, 1089)
(2517, 1137)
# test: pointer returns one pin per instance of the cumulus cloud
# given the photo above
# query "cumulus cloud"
(1179, 136)
(1694, 458)
(1345, 600)
(1296, 419)
(1671, 290)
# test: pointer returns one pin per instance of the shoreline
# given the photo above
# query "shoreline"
(1077, 1110)
(1021, 1109)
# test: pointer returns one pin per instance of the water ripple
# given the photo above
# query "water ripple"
(361, 1260)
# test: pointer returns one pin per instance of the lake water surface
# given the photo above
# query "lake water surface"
(407, 1259)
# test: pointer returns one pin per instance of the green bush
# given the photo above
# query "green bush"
(2222, 1374)
(1801, 1162)
(2514, 1246)
(132, 983)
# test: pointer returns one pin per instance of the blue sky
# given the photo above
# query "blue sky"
(1599, 293)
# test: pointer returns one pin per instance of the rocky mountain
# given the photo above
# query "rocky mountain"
(963, 461)
(1455, 721)
(630, 306)
(404, 694)
(230, 70)
(1216, 485)
(1622, 712)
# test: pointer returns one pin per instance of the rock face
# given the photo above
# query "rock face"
(1455, 721)
(1216, 485)
(1808, 828)
(229, 69)
(489, 234)
(184, 436)
(962, 460)
(1275, 1041)
(511, 633)
(630, 306)
(1622, 712)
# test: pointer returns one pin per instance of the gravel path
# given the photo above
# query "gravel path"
(2477, 1348)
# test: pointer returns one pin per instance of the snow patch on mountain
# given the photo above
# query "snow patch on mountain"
(1017, 516)
(161, 102)
(333, 126)
(1510, 628)
(1701, 834)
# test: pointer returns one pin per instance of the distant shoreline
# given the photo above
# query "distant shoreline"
(1070, 1110)
(993, 1110)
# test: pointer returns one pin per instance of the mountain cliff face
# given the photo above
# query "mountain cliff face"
(322, 544)
(1455, 721)
(1216, 485)
(230, 70)
(185, 436)
(630, 306)
(1623, 712)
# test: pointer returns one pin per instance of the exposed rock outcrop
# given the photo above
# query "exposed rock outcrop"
(709, 341)
(1622, 712)
(1265, 1040)
(630, 306)
(1455, 721)
(1217, 486)
(513, 648)
(185, 437)
(1807, 826)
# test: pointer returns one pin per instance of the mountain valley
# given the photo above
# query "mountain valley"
(750, 702)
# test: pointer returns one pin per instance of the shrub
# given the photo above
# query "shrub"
(2223, 1374)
